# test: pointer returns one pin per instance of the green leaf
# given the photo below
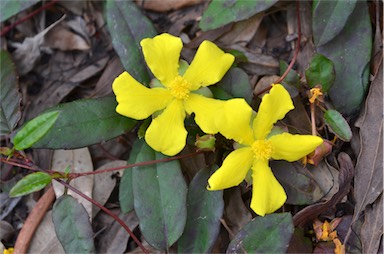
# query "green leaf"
(9, 97)
(204, 210)
(301, 189)
(222, 12)
(128, 26)
(160, 195)
(85, 122)
(125, 188)
(320, 72)
(350, 52)
(8, 8)
(34, 130)
(30, 183)
(329, 18)
(235, 84)
(72, 225)
(268, 234)
(338, 125)
(292, 79)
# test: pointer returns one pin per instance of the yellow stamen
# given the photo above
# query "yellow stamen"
(314, 92)
(180, 88)
(262, 149)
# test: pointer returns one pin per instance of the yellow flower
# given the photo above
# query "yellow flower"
(257, 148)
(179, 96)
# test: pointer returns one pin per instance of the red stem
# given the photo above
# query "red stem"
(6, 29)
(295, 53)
(106, 211)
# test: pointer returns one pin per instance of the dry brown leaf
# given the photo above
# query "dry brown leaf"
(105, 183)
(79, 161)
(166, 5)
(327, 178)
(372, 229)
(90, 70)
(45, 240)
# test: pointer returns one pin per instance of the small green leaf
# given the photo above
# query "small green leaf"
(30, 183)
(338, 125)
(85, 122)
(34, 130)
(204, 210)
(160, 194)
(320, 72)
(329, 18)
(8, 8)
(125, 188)
(268, 234)
(222, 12)
(128, 26)
(235, 84)
(72, 226)
(292, 79)
(10, 96)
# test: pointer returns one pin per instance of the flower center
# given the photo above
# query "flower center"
(180, 88)
(262, 149)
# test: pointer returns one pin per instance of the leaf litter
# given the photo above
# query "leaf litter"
(74, 58)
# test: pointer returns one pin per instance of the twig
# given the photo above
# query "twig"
(297, 49)
(6, 29)
(33, 221)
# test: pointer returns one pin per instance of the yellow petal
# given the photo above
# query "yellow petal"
(137, 101)
(234, 122)
(209, 65)
(162, 55)
(233, 170)
(274, 106)
(291, 147)
(167, 133)
(268, 194)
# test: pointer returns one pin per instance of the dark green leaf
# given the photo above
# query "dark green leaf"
(268, 234)
(85, 122)
(235, 84)
(160, 195)
(8, 8)
(300, 188)
(320, 72)
(128, 26)
(329, 18)
(30, 183)
(338, 125)
(125, 188)
(292, 79)
(222, 12)
(204, 210)
(72, 226)
(34, 130)
(350, 52)
(9, 97)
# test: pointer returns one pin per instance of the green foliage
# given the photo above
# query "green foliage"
(8, 8)
(320, 72)
(128, 26)
(222, 12)
(235, 84)
(350, 52)
(9, 97)
(268, 234)
(338, 125)
(30, 183)
(160, 193)
(204, 210)
(72, 225)
(85, 122)
(329, 18)
(34, 130)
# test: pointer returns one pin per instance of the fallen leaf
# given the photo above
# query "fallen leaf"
(78, 161)
(166, 5)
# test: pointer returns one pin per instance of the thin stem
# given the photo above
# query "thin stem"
(313, 119)
(297, 49)
(6, 29)
(107, 211)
